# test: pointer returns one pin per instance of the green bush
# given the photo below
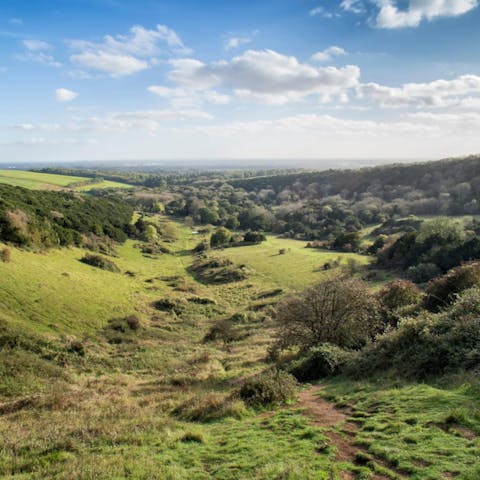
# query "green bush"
(423, 272)
(100, 262)
(431, 344)
(443, 291)
(268, 388)
(319, 362)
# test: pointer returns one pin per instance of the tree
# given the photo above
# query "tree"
(220, 237)
(340, 310)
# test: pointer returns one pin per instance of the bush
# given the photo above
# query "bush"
(210, 407)
(100, 262)
(268, 388)
(6, 255)
(423, 272)
(398, 294)
(224, 330)
(431, 344)
(254, 237)
(443, 291)
(319, 362)
(220, 237)
(339, 310)
(218, 270)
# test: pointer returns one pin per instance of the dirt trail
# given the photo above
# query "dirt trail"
(325, 415)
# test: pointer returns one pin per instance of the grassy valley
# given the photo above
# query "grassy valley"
(173, 346)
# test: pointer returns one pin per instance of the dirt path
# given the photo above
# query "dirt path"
(338, 429)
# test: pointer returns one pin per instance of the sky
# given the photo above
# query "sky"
(149, 80)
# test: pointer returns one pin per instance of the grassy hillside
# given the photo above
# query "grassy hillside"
(47, 181)
(87, 392)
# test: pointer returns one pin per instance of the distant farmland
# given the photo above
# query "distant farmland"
(47, 181)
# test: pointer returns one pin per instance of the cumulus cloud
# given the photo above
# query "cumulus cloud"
(392, 14)
(65, 95)
(328, 54)
(122, 55)
(264, 76)
(113, 64)
(439, 93)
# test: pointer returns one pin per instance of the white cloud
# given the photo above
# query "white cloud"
(36, 45)
(113, 64)
(390, 16)
(316, 11)
(64, 95)
(354, 6)
(188, 97)
(439, 93)
(328, 53)
(150, 120)
(264, 76)
(320, 11)
(235, 42)
(122, 55)
(36, 52)
(217, 98)
(167, 92)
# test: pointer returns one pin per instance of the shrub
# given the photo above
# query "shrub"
(6, 255)
(168, 305)
(423, 272)
(133, 322)
(431, 344)
(210, 407)
(319, 362)
(203, 246)
(397, 294)
(254, 237)
(219, 270)
(270, 387)
(220, 237)
(339, 310)
(100, 262)
(224, 330)
(443, 291)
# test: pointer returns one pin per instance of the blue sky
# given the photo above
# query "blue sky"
(153, 80)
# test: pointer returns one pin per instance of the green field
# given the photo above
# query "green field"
(296, 268)
(47, 181)
(155, 402)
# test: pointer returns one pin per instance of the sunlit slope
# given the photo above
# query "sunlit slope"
(47, 181)
(295, 267)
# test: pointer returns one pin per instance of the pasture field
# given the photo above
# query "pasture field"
(48, 181)
(84, 395)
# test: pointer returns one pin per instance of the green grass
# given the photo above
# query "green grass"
(295, 269)
(110, 411)
(426, 431)
(47, 181)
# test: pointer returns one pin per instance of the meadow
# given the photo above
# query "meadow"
(47, 181)
(87, 393)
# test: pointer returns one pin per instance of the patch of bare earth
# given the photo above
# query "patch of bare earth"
(325, 415)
